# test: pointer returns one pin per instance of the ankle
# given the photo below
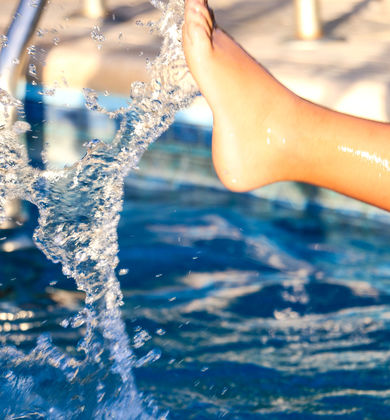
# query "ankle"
(293, 151)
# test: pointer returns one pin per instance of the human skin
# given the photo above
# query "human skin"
(264, 133)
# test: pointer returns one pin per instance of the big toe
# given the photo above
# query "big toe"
(198, 25)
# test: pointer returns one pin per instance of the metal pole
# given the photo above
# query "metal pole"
(307, 20)
(19, 34)
(12, 64)
(94, 9)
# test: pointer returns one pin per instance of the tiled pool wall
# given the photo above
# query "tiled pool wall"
(180, 157)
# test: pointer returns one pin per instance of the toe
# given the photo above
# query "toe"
(196, 33)
(196, 26)
(201, 8)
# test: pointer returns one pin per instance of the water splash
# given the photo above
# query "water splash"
(78, 217)
(98, 37)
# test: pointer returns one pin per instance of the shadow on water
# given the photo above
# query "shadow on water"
(312, 298)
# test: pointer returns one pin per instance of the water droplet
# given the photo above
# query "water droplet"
(141, 338)
(49, 91)
(31, 50)
(34, 3)
(3, 41)
(65, 323)
(21, 127)
(32, 70)
(150, 357)
(98, 36)
(92, 143)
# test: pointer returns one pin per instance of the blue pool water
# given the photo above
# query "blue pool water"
(246, 309)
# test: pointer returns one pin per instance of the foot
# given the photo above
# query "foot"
(253, 113)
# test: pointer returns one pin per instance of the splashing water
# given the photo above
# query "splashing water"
(78, 217)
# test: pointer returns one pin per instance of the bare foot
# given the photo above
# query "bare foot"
(254, 115)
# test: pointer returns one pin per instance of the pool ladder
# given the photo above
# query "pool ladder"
(94, 9)
(307, 20)
(13, 54)
(13, 60)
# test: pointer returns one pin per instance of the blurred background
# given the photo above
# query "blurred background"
(346, 67)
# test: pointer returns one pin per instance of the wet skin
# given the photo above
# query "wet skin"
(264, 133)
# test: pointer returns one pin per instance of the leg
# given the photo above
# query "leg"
(264, 133)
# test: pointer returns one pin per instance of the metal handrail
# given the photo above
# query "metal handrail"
(12, 64)
(307, 19)
(19, 34)
(94, 9)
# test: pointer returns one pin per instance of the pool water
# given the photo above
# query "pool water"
(243, 308)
